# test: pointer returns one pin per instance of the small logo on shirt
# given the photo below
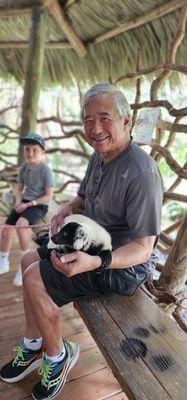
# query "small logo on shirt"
(125, 174)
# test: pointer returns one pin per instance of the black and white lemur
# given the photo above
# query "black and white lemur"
(80, 233)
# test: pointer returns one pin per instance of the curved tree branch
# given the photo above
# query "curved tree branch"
(170, 140)
(180, 171)
(71, 151)
(58, 120)
(168, 126)
(145, 71)
(61, 189)
(173, 227)
(174, 112)
(175, 196)
(7, 109)
(171, 54)
(76, 178)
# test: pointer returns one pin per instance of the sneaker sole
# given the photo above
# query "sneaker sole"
(71, 365)
(32, 367)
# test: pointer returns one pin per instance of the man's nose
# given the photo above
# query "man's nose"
(98, 128)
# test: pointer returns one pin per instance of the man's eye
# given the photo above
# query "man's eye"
(105, 119)
(88, 122)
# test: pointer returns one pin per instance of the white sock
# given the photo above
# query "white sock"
(33, 344)
(4, 257)
(59, 357)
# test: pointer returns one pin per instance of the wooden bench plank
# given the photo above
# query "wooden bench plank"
(135, 377)
(141, 319)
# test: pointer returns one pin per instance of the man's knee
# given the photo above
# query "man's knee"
(28, 259)
(32, 277)
(36, 291)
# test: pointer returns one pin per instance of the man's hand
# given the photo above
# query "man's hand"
(58, 219)
(20, 207)
(73, 207)
(74, 263)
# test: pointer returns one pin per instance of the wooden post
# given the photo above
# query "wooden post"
(174, 274)
(33, 74)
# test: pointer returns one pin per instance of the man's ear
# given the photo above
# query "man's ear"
(126, 121)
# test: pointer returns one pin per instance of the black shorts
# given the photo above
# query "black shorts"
(63, 289)
(32, 214)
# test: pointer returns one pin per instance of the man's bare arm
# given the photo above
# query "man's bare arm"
(136, 252)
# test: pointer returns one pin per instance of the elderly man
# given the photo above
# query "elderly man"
(122, 191)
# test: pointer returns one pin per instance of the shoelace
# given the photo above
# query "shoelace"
(45, 370)
(19, 356)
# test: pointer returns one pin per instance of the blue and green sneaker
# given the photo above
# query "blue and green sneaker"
(54, 374)
(22, 365)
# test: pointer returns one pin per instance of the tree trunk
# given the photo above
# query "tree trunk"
(174, 274)
(33, 75)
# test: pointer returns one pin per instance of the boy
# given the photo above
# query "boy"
(35, 190)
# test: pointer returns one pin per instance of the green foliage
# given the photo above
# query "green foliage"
(176, 210)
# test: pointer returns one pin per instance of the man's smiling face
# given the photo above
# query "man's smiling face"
(105, 131)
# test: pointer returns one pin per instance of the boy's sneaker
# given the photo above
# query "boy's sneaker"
(4, 266)
(23, 364)
(54, 374)
(18, 278)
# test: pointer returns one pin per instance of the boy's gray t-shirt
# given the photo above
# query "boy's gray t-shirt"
(125, 195)
(35, 180)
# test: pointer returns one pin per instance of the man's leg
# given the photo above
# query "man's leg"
(29, 352)
(59, 356)
(38, 304)
(31, 331)
(42, 318)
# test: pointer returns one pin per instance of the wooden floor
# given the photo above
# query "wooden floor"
(90, 379)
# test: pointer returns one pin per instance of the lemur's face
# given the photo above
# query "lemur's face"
(67, 234)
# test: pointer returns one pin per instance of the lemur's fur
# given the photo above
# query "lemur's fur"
(81, 233)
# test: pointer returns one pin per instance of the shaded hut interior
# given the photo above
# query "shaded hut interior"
(68, 43)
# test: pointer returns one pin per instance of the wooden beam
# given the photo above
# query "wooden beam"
(24, 44)
(61, 18)
(33, 73)
(18, 4)
(19, 7)
(158, 12)
(13, 12)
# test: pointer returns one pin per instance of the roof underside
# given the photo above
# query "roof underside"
(90, 19)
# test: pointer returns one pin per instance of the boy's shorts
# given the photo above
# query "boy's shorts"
(32, 214)
(63, 289)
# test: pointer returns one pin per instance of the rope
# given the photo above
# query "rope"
(24, 226)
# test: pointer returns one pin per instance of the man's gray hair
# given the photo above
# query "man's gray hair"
(122, 107)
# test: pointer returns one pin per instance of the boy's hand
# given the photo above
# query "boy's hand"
(74, 263)
(20, 207)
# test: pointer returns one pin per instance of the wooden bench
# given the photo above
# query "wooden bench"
(145, 349)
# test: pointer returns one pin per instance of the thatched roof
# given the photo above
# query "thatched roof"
(90, 40)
